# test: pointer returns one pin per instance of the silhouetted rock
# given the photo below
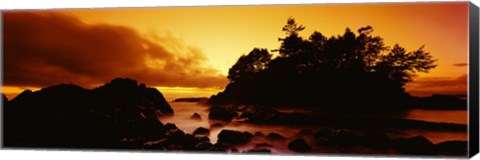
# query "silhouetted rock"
(344, 138)
(196, 116)
(259, 134)
(219, 147)
(377, 141)
(5, 99)
(221, 113)
(204, 145)
(69, 116)
(274, 137)
(232, 137)
(458, 148)
(201, 131)
(170, 126)
(418, 145)
(299, 145)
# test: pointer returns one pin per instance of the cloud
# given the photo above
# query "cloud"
(438, 85)
(42, 49)
(460, 64)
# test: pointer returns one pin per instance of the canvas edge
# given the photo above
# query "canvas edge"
(473, 106)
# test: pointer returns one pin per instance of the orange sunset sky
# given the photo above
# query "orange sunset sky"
(187, 51)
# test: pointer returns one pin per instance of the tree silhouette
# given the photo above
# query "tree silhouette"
(248, 65)
(341, 71)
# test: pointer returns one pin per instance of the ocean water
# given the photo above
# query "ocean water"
(184, 110)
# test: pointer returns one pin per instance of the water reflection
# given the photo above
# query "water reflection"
(184, 111)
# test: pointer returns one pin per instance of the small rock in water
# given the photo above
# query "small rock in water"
(196, 116)
(275, 137)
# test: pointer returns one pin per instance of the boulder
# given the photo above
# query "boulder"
(70, 116)
(201, 131)
(274, 137)
(232, 137)
(222, 113)
(259, 134)
(299, 145)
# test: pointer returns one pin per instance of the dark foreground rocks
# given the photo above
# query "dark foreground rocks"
(201, 131)
(275, 137)
(68, 116)
(232, 137)
(299, 145)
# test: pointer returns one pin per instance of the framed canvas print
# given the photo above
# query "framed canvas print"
(372, 79)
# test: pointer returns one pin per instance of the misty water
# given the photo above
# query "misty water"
(184, 111)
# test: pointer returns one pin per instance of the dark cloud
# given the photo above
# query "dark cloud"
(42, 49)
(460, 64)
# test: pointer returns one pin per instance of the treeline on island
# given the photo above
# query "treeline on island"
(355, 71)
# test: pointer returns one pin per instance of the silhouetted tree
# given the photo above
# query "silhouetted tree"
(250, 64)
(347, 70)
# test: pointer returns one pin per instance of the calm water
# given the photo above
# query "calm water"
(183, 112)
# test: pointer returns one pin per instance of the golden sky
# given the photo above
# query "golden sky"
(193, 47)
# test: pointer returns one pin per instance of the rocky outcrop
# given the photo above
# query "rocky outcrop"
(70, 116)
(221, 113)
(417, 145)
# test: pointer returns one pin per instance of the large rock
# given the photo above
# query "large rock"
(232, 137)
(69, 116)
(417, 145)
(377, 141)
(222, 113)
(201, 131)
(458, 148)
(299, 145)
